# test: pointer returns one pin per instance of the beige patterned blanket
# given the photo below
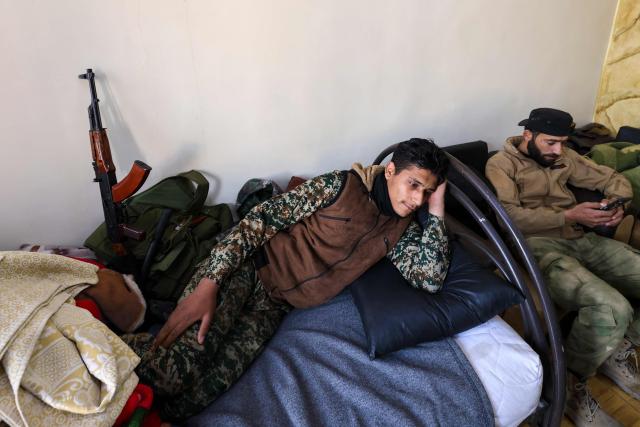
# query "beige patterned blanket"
(60, 366)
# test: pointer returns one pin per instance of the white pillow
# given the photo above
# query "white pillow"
(507, 366)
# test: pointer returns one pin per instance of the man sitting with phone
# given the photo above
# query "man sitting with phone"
(585, 272)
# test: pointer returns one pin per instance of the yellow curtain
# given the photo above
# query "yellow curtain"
(618, 101)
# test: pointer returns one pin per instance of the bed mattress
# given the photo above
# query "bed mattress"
(316, 372)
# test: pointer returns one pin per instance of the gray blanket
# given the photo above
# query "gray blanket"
(315, 372)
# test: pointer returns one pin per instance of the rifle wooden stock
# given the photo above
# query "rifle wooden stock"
(132, 182)
(132, 233)
(101, 151)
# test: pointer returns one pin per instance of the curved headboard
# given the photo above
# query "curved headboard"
(542, 334)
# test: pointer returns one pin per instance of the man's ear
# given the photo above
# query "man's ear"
(527, 135)
(389, 170)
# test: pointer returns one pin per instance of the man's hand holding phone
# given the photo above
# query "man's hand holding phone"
(617, 207)
(606, 205)
(607, 213)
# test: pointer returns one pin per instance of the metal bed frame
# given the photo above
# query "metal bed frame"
(544, 334)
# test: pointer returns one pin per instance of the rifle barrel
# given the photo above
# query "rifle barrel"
(94, 109)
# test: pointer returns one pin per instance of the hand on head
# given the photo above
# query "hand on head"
(436, 200)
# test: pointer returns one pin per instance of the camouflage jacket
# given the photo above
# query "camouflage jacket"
(421, 255)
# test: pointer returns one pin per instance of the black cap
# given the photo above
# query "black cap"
(550, 121)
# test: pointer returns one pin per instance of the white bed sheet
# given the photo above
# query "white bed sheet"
(509, 369)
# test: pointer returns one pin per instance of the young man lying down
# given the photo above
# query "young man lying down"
(298, 249)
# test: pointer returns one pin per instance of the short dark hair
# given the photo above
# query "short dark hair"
(422, 153)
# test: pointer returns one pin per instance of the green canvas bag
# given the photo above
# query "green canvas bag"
(188, 238)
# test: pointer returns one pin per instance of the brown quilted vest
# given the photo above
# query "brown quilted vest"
(313, 260)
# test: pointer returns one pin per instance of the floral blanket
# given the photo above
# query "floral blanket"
(59, 365)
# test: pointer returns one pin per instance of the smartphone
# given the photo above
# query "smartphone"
(614, 204)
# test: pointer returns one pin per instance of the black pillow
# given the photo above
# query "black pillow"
(396, 315)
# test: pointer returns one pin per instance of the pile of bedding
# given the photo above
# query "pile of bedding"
(60, 366)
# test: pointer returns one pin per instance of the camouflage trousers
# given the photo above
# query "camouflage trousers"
(188, 376)
(594, 276)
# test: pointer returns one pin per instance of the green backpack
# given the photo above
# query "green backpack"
(189, 236)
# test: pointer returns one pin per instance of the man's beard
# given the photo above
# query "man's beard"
(536, 154)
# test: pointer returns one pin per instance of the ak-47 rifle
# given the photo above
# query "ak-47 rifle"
(112, 191)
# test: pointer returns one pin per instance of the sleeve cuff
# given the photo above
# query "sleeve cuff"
(562, 220)
(426, 219)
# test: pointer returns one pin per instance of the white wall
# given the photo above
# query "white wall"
(241, 88)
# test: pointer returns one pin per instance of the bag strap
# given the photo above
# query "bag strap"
(201, 190)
